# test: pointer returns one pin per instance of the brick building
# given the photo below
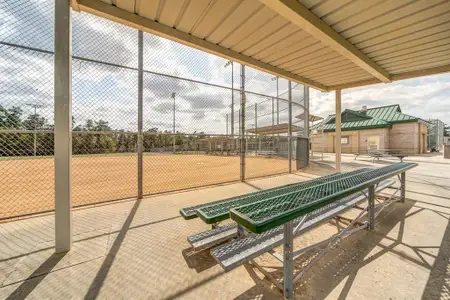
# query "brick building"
(383, 128)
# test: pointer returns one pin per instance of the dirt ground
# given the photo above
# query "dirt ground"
(27, 185)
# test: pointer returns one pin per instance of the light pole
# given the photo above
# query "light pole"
(227, 124)
(174, 136)
(230, 62)
(278, 102)
(35, 106)
(278, 107)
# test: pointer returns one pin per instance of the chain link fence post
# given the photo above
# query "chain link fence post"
(290, 126)
(242, 118)
(140, 139)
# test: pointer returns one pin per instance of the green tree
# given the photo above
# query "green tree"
(10, 118)
(34, 122)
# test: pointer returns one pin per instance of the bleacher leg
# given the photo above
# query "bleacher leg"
(240, 231)
(403, 187)
(288, 270)
(371, 208)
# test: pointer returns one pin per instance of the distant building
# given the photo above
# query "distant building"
(383, 128)
(436, 134)
(446, 140)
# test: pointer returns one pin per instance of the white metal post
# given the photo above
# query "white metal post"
(290, 126)
(288, 269)
(232, 99)
(256, 127)
(63, 125)
(337, 142)
(403, 187)
(227, 123)
(278, 105)
(242, 123)
(140, 140)
(174, 135)
(371, 208)
(306, 111)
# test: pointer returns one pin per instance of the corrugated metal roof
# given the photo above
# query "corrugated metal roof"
(377, 117)
(355, 125)
(391, 113)
(324, 44)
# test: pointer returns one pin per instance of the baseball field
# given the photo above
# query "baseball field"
(27, 184)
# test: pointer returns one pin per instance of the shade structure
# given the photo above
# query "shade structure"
(217, 139)
(274, 129)
(311, 117)
(327, 45)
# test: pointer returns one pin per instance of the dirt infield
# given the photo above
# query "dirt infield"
(27, 185)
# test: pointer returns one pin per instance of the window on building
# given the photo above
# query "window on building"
(345, 140)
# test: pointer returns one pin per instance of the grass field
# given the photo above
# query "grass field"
(27, 185)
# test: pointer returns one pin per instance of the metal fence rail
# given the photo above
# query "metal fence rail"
(149, 115)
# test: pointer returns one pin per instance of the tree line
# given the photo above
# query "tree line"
(91, 137)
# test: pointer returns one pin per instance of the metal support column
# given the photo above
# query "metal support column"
(256, 128)
(174, 120)
(371, 208)
(337, 141)
(242, 118)
(290, 126)
(403, 187)
(227, 124)
(140, 137)
(232, 99)
(278, 105)
(63, 126)
(239, 121)
(288, 268)
(306, 108)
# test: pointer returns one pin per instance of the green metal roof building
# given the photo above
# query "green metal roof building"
(384, 127)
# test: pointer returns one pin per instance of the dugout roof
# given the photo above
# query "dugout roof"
(275, 129)
(327, 45)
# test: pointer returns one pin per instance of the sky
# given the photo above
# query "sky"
(109, 92)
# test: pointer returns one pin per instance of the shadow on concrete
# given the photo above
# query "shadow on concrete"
(318, 169)
(438, 286)
(27, 286)
(352, 254)
(102, 273)
(253, 186)
(200, 261)
(344, 261)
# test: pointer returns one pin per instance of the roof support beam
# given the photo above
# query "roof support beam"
(298, 14)
(129, 19)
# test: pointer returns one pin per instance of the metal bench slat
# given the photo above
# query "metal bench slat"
(221, 207)
(209, 238)
(267, 214)
(218, 212)
(235, 253)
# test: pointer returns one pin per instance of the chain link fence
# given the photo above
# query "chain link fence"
(191, 113)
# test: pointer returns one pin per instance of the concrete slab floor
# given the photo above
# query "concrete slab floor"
(138, 249)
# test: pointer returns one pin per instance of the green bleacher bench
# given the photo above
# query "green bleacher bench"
(213, 237)
(239, 251)
(272, 212)
(276, 216)
(216, 211)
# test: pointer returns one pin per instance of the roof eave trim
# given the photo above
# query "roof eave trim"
(360, 128)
